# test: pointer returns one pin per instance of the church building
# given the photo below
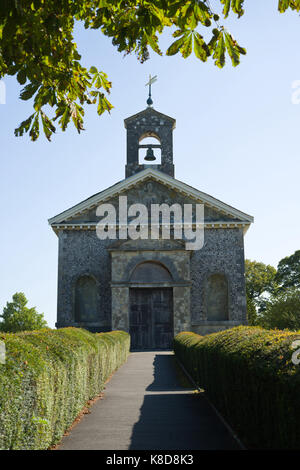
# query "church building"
(152, 287)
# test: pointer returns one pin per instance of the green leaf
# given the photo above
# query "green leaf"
(21, 76)
(232, 49)
(103, 104)
(237, 7)
(159, 13)
(100, 80)
(24, 126)
(153, 41)
(219, 54)
(200, 47)
(76, 113)
(241, 50)
(174, 48)
(226, 8)
(187, 47)
(48, 127)
(202, 13)
(35, 128)
(283, 5)
(29, 90)
(64, 121)
(177, 33)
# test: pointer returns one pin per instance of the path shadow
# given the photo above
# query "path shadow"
(174, 418)
(165, 375)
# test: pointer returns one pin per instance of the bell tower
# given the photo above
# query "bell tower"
(149, 123)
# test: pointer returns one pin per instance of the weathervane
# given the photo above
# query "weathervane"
(151, 80)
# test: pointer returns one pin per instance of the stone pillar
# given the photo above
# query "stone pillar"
(120, 308)
(181, 305)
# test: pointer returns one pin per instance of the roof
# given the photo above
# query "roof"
(146, 111)
(158, 176)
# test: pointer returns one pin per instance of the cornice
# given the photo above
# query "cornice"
(142, 176)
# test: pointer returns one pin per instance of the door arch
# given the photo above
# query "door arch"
(151, 308)
(150, 271)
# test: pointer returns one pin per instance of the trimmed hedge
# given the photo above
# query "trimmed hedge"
(48, 377)
(248, 374)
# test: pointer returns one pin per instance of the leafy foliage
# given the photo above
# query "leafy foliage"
(282, 310)
(260, 279)
(273, 296)
(17, 317)
(48, 377)
(251, 311)
(248, 374)
(288, 271)
(37, 46)
(284, 5)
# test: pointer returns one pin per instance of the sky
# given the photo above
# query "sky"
(236, 138)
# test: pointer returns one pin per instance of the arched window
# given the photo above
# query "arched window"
(86, 300)
(216, 294)
(150, 271)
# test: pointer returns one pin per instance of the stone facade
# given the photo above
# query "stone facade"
(208, 285)
(82, 253)
(149, 124)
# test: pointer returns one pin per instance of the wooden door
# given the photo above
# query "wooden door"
(151, 318)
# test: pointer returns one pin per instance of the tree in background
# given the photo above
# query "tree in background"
(18, 317)
(273, 297)
(37, 46)
(282, 311)
(288, 271)
(260, 280)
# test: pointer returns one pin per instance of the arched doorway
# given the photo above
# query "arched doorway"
(151, 308)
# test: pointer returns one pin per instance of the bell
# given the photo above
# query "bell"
(150, 155)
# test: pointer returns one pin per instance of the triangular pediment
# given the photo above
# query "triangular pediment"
(148, 187)
(145, 113)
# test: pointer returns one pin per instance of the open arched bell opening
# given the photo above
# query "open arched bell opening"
(149, 149)
(151, 307)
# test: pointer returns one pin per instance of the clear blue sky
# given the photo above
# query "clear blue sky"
(237, 138)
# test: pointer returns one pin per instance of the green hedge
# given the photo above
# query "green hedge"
(248, 374)
(48, 377)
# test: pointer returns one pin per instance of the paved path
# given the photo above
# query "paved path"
(145, 407)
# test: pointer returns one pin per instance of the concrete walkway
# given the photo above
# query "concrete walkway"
(145, 407)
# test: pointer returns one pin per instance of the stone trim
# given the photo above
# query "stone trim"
(92, 226)
(216, 323)
(152, 284)
(156, 175)
(152, 111)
